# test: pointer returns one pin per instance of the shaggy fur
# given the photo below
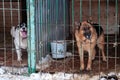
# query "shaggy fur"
(87, 36)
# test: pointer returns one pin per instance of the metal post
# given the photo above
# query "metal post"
(107, 26)
(80, 10)
(31, 35)
(41, 28)
(73, 36)
(116, 20)
(99, 5)
(48, 22)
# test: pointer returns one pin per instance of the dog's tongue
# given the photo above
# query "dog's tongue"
(24, 34)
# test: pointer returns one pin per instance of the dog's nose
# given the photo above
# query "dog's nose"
(23, 28)
(87, 35)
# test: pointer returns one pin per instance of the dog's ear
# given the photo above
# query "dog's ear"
(17, 27)
(90, 20)
(77, 25)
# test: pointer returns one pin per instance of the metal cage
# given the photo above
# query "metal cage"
(54, 20)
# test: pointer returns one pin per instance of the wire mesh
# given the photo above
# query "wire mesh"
(10, 15)
(54, 21)
(79, 10)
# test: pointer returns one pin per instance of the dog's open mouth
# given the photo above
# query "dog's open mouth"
(24, 34)
(87, 35)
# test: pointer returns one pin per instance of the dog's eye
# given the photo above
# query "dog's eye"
(88, 28)
(84, 28)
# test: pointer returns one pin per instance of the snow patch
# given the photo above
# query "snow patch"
(15, 70)
(2, 71)
(44, 63)
(48, 76)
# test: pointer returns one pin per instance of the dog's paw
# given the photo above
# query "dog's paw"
(88, 68)
(104, 59)
(19, 59)
(93, 58)
(81, 68)
(19, 55)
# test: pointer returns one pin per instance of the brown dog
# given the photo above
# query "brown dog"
(87, 36)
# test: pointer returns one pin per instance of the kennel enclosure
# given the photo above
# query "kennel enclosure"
(52, 20)
(60, 18)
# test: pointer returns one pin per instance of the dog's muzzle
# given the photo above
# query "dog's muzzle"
(87, 35)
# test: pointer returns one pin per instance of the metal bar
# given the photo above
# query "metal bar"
(18, 11)
(98, 56)
(12, 9)
(73, 36)
(37, 24)
(72, 41)
(28, 24)
(9, 0)
(56, 22)
(99, 29)
(116, 23)
(41, 28)
(52, 24)
(11, 14)
(31, 36)
(4, 32)
(64, 22)
(48, 24)
(90, 11)
(107, 11)
(80, 10)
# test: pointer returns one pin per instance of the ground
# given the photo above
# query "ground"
(67, 65)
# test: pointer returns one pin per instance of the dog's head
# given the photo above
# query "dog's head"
(23, 30)
(86, 29)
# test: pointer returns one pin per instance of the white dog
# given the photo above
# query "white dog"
(19, 34)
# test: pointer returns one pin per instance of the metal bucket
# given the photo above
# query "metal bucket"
(58, 49)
